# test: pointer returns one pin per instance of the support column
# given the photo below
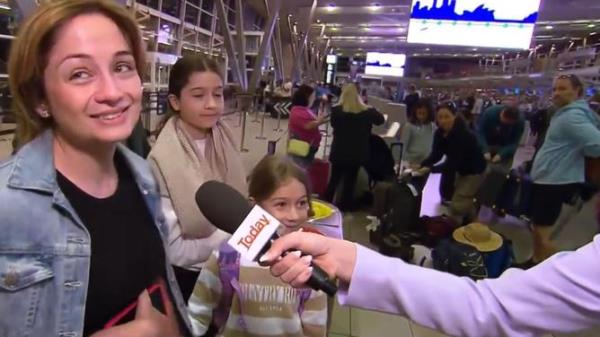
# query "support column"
(276, 44)
(293, 38)
(181, 30)
(323, 56)
(279, 50)
(241, 44)
(303, 43)
(266, 41)
(228, 41)
(213, 30)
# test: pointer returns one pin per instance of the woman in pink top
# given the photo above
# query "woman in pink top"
(304, 123)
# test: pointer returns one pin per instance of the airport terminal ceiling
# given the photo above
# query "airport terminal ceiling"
(359, 26)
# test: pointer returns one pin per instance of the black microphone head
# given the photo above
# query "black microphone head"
(222, 205)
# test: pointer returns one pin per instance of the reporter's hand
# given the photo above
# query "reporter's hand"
(336, 257)
(487, 156)
(496, 159)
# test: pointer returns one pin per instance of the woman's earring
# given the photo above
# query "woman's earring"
(43, 111)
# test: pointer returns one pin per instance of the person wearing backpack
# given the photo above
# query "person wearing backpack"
(238, 296)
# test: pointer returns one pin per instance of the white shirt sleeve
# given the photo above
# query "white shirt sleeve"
(188, 253)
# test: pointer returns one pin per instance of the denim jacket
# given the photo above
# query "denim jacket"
(45, 248)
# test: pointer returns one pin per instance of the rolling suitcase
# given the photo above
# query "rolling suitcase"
(515, 199)
(318, 173)
(491, 188)
(398, 206)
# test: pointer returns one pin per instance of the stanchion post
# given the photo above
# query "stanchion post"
(262, 128)
(325, 145)
(244, 103)
(271, 147)
(279, 121)
(242, 112)
(256, 110)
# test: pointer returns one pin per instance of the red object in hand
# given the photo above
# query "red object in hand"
(158, 295)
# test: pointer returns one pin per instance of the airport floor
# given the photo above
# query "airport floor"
(353, 322)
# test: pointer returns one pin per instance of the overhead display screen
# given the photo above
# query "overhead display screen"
(478, 23)
(383, 64)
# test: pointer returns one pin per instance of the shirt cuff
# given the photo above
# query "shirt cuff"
(367, 272)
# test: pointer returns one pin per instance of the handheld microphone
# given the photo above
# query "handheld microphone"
(252, 228)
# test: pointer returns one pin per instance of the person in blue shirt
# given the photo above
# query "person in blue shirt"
(559, 166)
(499, 133)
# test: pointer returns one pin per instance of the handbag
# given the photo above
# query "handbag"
(298, 147)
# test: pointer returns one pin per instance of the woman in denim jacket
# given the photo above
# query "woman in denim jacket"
(82, 235)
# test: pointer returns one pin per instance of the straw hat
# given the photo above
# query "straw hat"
(479, 236)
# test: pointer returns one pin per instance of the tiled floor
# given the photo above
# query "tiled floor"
(353, 322)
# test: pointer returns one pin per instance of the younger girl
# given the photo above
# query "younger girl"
(418, 134)
(242, 298)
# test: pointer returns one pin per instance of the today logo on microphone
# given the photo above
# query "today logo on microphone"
(254, 233)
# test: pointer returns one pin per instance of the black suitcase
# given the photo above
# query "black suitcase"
(491, 188)
(398, 206)
(516, 196)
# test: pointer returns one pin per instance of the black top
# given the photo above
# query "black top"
(127, 252)
(351, 133)
(462, 150)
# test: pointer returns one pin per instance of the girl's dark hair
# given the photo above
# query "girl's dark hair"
(426, 104)
(302, 95)
(272, 172)
(180, 75)
(186, 66)
(448, 105)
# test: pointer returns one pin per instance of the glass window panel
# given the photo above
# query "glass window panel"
(208, 5)
(171, 7)
(206, 21)
(191, 14)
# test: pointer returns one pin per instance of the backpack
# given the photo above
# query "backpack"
(497, 261)
(380, 166)
(398, 206)
(436, 228)
(229, 274)
(459, 259)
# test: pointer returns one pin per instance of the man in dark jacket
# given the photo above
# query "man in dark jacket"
(499, 133)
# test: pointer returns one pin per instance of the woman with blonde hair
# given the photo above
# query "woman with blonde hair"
(82, 250)
(352, 121)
